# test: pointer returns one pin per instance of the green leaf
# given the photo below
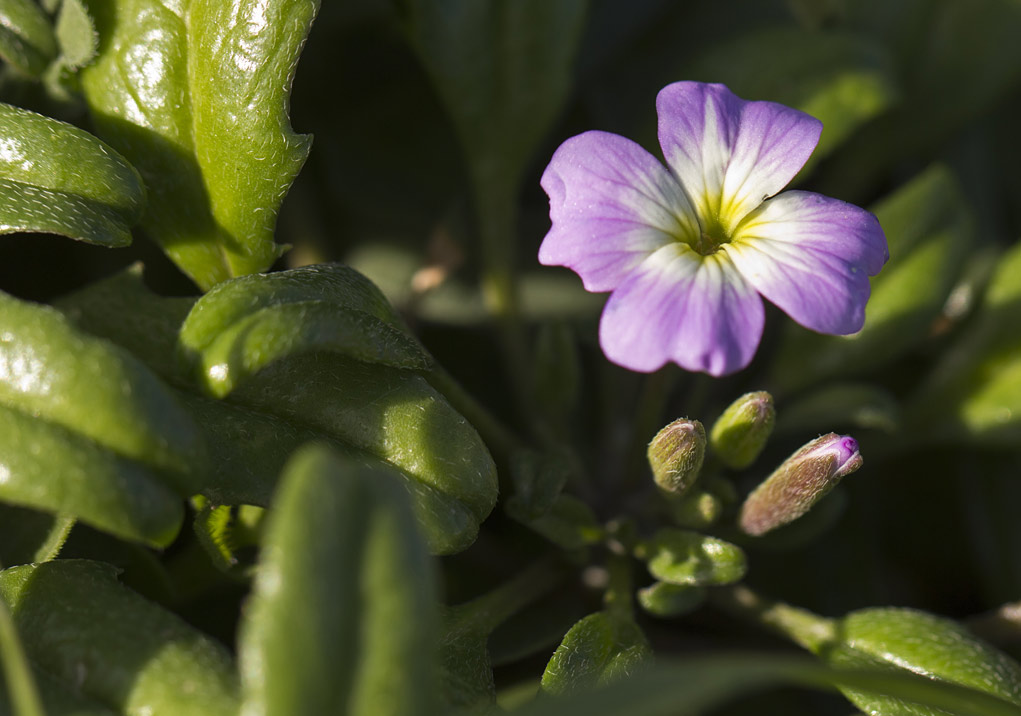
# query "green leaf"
(76, 35)
(569, 523)
(377, 414)
(689, 558)
(929, 230)
(113, 646)
(601, 648)
(700, 684)
(844, 80)
(245, 324)
(974, 393)
(26, 38)
(55, 178)
(89, 431)
(923, 644)
(195, 95)
(342, 619)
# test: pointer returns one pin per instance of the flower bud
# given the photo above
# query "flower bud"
(697, 509)
(739, 435)
(801, 481)
(662, 599)
(676, 455)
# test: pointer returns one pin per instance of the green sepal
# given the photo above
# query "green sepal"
(601, 648)
(689, 558)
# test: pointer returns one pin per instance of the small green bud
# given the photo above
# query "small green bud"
(696, 510)
(670, 600)
(676, 455)
(689, 558)
(802, 480)
(739, 435)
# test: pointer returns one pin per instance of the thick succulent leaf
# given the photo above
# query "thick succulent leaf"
(930, 232)
(89, 431)
(26, 37)
(244, 324)
(379, 415)
(598, 650)
(343, 615)
(55, 178)
(974, 393)
(689, 558)
(54, 372)
(102, 640)
(841, 79)
(195, 94)
(703, 683)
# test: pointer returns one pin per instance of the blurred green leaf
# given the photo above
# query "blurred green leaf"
(102, 640)
(503, 69)
(378, 415)
(342, 619)
(699, 684)
(841, 79)
(76, 35)
(689, 558)
(836, 405)
(196, 97)
(26, 37)
(910, 640)
(16, 676)
(930, 232)
(569, 523)
(55, 178)
(974, 392)
(600, 649)
(670, 600)
(244, 324)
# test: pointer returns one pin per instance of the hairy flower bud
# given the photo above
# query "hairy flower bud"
(801, 481)
(676, 455)
(742, 431)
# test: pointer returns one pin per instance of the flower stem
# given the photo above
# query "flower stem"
(619, 587)
(801, 626)
(483, 614)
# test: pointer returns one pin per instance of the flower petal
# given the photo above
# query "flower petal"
(612, 204)
(678, 305)
(812, 255)
(729, 153)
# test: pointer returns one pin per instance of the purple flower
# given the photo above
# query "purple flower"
(687, 250)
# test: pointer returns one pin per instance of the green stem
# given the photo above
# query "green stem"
(24, 696)
(484, 614)
(808, 630)
(648, 419)
(55, 538)
(497, 437)
(620, 587)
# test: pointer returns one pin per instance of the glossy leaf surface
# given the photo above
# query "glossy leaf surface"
(195, 94)
(245, 324)
(26, 37)
(56, 178)
(924, 644)
(342, 619)
(376, 414)
(102, 640)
